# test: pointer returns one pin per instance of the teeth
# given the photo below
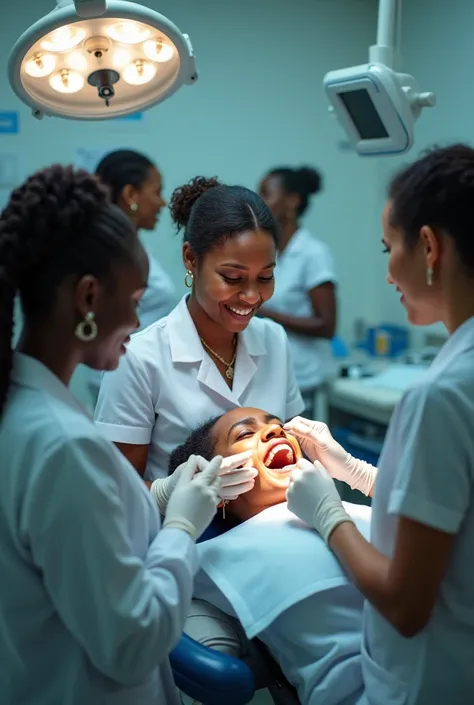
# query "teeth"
(241, 311)
(277, 449)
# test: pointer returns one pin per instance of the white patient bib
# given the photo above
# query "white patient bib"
(273, 561)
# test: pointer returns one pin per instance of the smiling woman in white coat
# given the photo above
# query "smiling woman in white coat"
(93, 595)
(211, 354)
(417, 571)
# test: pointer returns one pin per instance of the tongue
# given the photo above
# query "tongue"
(281, 459)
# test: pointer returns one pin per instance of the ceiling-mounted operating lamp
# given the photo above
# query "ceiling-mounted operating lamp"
(99, 59)
(376, 106)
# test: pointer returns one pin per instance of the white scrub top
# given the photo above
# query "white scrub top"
(160, 296)
(426, 473)
(92, 597)
(307, 612)
(305, 263)
(167, 384)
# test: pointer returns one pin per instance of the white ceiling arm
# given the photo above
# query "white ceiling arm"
(90, 8)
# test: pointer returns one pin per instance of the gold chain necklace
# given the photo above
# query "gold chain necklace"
(229, 373)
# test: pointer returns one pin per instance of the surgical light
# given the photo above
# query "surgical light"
(99, 59)
(376, 106)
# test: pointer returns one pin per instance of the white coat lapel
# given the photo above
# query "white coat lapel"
(211, 379)
(250, 348)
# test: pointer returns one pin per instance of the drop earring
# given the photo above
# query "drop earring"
(87, 330)
(188, 279)
(429, 276)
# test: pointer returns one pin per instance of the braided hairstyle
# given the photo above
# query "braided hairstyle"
(121, 168)
(209, 212)
(304, 182)
(59, 223)
(437, 190)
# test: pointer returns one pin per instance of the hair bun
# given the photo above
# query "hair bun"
(184, 198)
(310, 178)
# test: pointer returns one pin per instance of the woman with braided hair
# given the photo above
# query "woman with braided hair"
(93, 594)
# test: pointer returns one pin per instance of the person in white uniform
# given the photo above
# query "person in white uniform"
(211, 354)
(307, 612)
(304, 301)
(93, 595)
(416, 573)
(135, 186)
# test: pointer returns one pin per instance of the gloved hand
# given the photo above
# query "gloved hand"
(318, 444)
(313, 497)
(236, 477)
(193, 502)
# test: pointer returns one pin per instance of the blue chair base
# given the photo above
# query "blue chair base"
(210, 677)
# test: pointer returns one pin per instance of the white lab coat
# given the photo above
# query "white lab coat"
(307, 612)
(93, 595)
(167, 384)
(426, 473)
(160, 296)
(305, 264)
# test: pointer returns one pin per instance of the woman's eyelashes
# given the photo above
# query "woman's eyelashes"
(237, 280)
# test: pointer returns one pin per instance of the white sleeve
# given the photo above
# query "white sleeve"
(126, 613)
(125, 410)
(294, 400)
(319, 266)
(432, 484)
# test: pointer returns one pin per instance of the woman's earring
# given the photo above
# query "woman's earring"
(429, 276)
(134, 207)
(188, 279)
(87, 329)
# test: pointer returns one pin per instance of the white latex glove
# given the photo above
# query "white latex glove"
(194, 500)
(237, 476)
(313, 497)
(318, 444)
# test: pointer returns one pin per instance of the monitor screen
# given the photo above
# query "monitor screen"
(363, 114)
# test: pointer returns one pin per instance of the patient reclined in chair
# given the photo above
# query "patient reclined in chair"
(275, 574)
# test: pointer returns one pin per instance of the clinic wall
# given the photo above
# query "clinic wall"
(436, 48)
(258, 103)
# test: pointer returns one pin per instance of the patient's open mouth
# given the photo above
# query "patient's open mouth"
(279, 456)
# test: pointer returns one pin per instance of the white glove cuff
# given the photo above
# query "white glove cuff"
(182, 524)
(361, 475)
(160, 491)
(328, 517)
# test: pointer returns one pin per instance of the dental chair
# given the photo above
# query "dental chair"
(231, 669)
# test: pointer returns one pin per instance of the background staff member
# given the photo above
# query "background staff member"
(136, 187)
(304, 302)
(210, 354)
(417, 572)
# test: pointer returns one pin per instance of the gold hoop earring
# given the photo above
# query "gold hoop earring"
(87, 330)
(189, 279)
(429, 276)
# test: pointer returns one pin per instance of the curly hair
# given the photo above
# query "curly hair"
(304, 182)
(210, 212)
(59, 223)
(199, 442)
(437, 190)
(121, 168)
